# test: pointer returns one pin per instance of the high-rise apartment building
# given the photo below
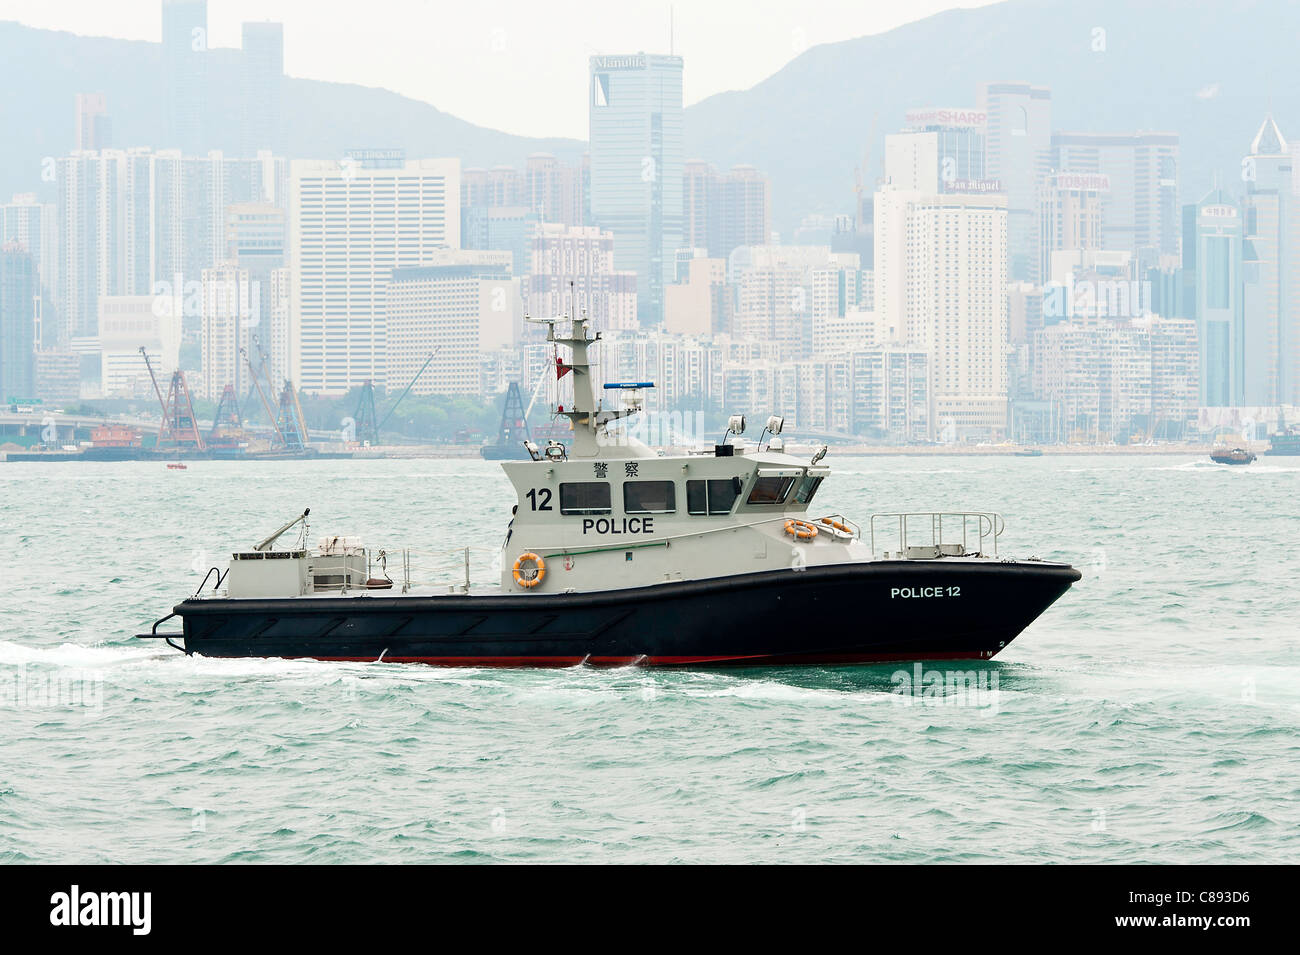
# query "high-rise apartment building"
(230, 310)
(635, 110)
(722, 212)
(1018, 146)
(350, 225)
(940, 276)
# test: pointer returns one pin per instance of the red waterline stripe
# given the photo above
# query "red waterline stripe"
(570, 661)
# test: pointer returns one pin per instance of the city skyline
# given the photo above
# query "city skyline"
(1006, 273)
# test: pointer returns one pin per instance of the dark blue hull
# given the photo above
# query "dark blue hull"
(846, 613)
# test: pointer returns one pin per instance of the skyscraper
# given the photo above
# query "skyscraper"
(637, 160)
(1272, 254)
(184, 79)
(34, 227)
(942, 150)
(351, 224)
(1139, 208)
(261, 75)
(1212, 252)
(1018, 144)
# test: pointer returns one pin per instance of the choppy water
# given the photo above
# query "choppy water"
(1151, 716)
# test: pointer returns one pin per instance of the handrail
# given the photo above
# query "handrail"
(221, 575)
(989, 526)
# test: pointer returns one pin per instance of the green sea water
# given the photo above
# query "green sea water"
(1151, 715)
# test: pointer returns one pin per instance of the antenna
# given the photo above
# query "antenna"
(670, 30)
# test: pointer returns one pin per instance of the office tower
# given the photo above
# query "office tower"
(1213, 258)
(942, 150)
(723, 212)
(940, 278)
(556, 191)
(261, 77)
(1070, 216)
(456, 307)
(1139, 206)
(34, 227)
(350, 224)
(1018, 145)
(128, 323)
(94, 131)
(637, 160)
(573, 271)
(184, 79)
(1272, 248)
(18, 303)
(230, 308)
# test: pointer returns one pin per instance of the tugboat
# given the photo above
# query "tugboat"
(1232, 456)
(617, 555)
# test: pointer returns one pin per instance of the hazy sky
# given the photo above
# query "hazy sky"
(509, 64)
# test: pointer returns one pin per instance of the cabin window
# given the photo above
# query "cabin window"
(807, 488)
(712, 497)
(649, 497)
(770, 490)
(586, 497)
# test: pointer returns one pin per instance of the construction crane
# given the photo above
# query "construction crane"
(178, 424)
(364, 420)
(406, 390)
(291, 426)
(277, 438)
(227, 426)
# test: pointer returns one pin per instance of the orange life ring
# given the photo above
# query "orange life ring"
(527, 582)
(831, 522)
(800, 530)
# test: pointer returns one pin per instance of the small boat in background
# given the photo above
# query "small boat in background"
(177, 466)
(1231, 456)
(1028, 453)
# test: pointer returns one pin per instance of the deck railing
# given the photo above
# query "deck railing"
(928, 535)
